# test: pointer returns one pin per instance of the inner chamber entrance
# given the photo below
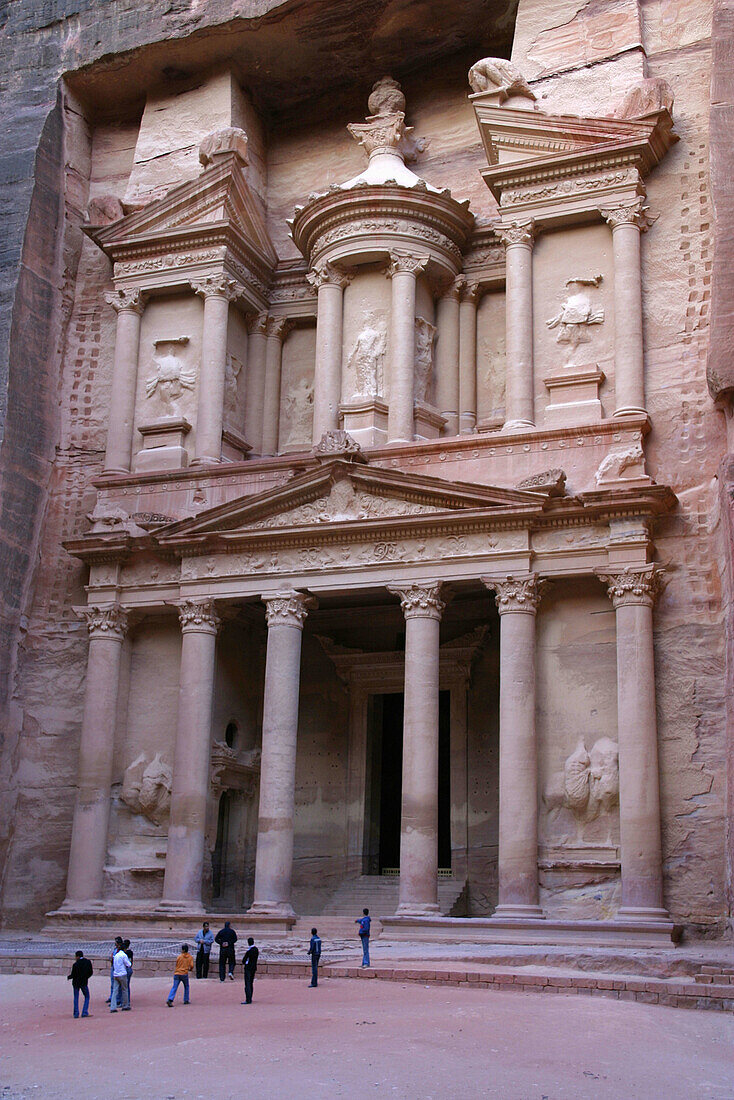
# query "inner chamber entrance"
(385, 782)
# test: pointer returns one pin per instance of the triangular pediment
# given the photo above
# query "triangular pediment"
(219, 196)
(345, 493)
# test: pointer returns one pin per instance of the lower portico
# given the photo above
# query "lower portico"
(345, 533)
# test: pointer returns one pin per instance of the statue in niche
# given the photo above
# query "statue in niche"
(298, 408)
(425, 335)
(367, 358)
(576, 315)
(589, 787)
(232, 369)
(146, 788)
(172, 377)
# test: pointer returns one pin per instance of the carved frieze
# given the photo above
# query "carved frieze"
(171, 260)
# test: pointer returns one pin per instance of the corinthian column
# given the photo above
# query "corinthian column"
(422, 607)
(520, 386)
(468, 358)
(627, 223)
(191, 759)
(517, 602)
(633, 593)
(217, 291)
(286, 613)
(107, 628)
(447, 356)
(404, 270)
(256, 348)
(330, 284)
(276, 331)
(129, 305)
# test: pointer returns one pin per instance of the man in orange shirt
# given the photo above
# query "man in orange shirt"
(182, 969)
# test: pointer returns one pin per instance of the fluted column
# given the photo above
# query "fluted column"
(276, 331)
(447, 356)
(422, 607)
(129, 306)
(192, 753)
(633, 593)
(107, 628)
(256, 348)
(517, 602)
(627, 223)
(468, 358)
(330, 284)
(217, 291)
(404, 270)
(286, 613)
(520, 385)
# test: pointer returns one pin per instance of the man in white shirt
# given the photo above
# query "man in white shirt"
(120, 973)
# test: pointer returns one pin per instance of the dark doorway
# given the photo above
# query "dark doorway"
(385, 783)
(219, 855)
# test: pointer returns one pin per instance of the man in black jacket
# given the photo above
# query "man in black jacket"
(249, 963)
(226, 938)
(81, 972)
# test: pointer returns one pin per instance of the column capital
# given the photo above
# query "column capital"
(420, 601)
(469, 291)
(198, 615)
(516, 594)
(105, 620)
(257, 324)
(217, 286)
(406, 263)
(278, 327)
(635, 586)
(522, 233)
(454, 288)
(131, 299)
(288, 608)
(635, 213)
(326, 274)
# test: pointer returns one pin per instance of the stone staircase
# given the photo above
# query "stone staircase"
(379, 894)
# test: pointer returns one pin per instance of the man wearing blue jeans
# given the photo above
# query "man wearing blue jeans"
(364, 934)
(81, 972)
(314, 950)
(120, 971)
(182, 969)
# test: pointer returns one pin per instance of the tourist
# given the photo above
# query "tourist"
(117, 946)
(120, 975)
(364, 934)
(249, 965)
(314, 950)
(182, 969)
(204, 941)
(129, 952)
(81, 972)
(226, 938)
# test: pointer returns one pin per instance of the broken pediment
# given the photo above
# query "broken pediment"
(219, 199)
(344, 492)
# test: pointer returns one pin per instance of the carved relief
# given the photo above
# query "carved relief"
(288, 608)
(198, 614)
(577, 315)
(337, 443)
(496, 74)
(615, 464)
(517, 233)
(229, 140)
(366, 360)
(298, 409)
(635, 213)
(552, 482)
(105, 621)
(344, 503)
(425, 335)
(384, 130)
(232, 370)
(589, 787)
(129, 298)
(172, 375)
(146, 787)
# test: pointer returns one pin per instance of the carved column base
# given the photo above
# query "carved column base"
(518, 912)
(515, 425)
(574, 397)
(365, 419)
(413, 909)
(168, 906)
(283, 910)
(642, 913)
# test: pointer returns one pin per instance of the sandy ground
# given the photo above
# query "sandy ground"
(355, 1039)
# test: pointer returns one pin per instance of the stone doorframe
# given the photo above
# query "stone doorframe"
(367, 674)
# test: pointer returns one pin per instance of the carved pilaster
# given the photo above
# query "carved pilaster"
(198, 615)
(217, 286)
(523, 233)
(420, 601)
(516, 593)
(108, 621)
(328, 275)
(634, 586)
(129, 298)
(406, 263)
(288, 608)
